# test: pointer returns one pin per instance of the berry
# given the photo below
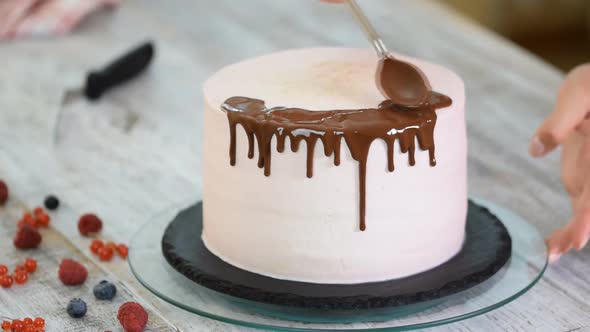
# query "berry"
(27, 237)
(96, 245)
(106, 253)
(20, 268)
(76, 308)
(29, 328)
(27, 321)
(3, 192)
(39, 322)
(72, 273)
(132, 317)
(38, 210)
(29, 219)
(30, 265)
(112, 245)
(6, 281)
(51, 202)
(43, 219)
(21, 278)
(89, 224)
(17, 325)
(3, 270)
(6, 325)
(104, 290)
(122, 250)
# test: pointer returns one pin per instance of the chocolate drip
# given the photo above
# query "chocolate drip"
(359, 128)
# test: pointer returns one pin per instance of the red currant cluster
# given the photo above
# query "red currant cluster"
(21, 273)
(106, 251)
(39, 218)
(25, 325)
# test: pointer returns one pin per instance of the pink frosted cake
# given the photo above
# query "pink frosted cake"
(342, 187)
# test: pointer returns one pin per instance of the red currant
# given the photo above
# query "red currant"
(112, 245)
(20, 268)
(122, 250)
(96, 245)
(105, 253)
(39, 322)
(3, 270)
(6, 281)
(28, 218)
(17, 325)
(29, 328)
(6, 325)
(28, 321)
(30, 265)
(21, 278)
(43, 219)
(38, 210)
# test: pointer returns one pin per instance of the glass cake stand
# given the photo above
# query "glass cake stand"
(521, 272)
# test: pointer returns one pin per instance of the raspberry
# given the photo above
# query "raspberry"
(3, 192)
(27, 237)
(89, 224)
(132, 317)
(72, 273)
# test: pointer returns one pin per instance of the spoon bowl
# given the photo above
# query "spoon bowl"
(402, 82)
(399, 81)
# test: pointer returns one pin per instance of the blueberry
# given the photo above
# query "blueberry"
(104, 290)
(77, 308)
(51, 202)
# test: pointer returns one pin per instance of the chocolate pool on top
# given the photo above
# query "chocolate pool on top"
(358, 127)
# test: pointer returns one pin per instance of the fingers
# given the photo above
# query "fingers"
(574, 236)
(56, 17)
(572, 106)
(12, 12)
(557, 244)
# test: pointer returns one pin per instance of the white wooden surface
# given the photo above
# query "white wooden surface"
(128, 175)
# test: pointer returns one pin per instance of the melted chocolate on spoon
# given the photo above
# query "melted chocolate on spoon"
(402, 82)
(358, 127)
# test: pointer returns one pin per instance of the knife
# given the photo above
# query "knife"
(97, 83)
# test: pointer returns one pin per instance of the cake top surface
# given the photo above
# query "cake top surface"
(317, 79)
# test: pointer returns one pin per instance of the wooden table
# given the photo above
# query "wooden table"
(127, 175)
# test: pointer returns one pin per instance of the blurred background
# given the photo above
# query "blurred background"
(554, 30)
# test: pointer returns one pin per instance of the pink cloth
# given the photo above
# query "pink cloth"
(23, 18)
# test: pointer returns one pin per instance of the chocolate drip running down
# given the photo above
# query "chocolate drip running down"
(359, 128)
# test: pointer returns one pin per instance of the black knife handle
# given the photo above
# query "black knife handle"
(119, 71)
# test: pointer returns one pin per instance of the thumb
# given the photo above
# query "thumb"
(572, 106)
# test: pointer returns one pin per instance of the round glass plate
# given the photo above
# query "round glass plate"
(521, 272)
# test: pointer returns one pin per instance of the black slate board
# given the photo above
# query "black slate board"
(487, 248)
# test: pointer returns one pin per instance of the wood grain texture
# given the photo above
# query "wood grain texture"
(128, 175)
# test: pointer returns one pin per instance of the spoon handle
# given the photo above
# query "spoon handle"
(370, 31)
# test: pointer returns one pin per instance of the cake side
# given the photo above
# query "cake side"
(292, 227)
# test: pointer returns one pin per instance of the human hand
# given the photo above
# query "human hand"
(569, 126)
(22, 18)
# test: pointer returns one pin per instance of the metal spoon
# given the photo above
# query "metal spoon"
(403, 83)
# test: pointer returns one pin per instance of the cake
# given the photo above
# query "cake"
(310, 175)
